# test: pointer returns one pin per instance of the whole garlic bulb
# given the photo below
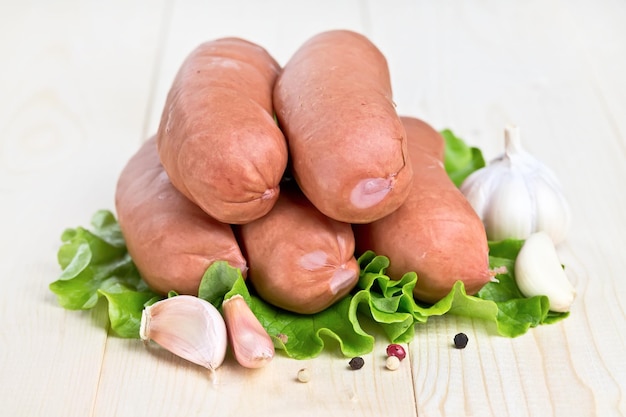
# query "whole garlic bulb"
(516, 195)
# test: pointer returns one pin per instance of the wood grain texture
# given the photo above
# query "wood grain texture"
(83, 83)
(73, 97)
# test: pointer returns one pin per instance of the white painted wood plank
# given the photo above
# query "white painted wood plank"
(156, 383)
(600, 35)
(72, 102)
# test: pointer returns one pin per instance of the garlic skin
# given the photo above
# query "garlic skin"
(187, 326)
(539, 272)
(251, 345)
(516, 195)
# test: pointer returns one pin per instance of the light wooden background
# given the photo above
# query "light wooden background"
(82, 83)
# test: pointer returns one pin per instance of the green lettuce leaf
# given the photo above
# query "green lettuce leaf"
(125, 305)
(95, 265)
(218, 280)
(300, 336)
(460, 159)
(390, 303)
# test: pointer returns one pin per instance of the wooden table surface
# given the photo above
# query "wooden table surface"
(82, 84)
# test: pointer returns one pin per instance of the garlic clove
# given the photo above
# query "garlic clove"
(187, 326)
(553, 212)
(251, 345)
(539, 272)
(475, 194)
(478, 186)
(506, 216)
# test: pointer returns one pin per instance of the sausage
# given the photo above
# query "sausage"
(347, 144)
(170, 239)
(435, 233)
(298, 258)
(217, 137)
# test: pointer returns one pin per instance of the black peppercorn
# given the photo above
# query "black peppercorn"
(460, 341)
(356, 363)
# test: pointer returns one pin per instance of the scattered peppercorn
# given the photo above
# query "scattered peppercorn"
(460, 341)
(392, 363)
(396, 350)
(304, 375)
(356, 363)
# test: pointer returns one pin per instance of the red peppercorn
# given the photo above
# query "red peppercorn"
(396, 350)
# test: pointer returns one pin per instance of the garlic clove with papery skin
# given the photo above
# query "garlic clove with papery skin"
(539, 272)
(507, 214)
(516, 195)
(249, 341)
(187, 326)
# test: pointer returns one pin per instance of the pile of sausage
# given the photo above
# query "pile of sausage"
(288, 173)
